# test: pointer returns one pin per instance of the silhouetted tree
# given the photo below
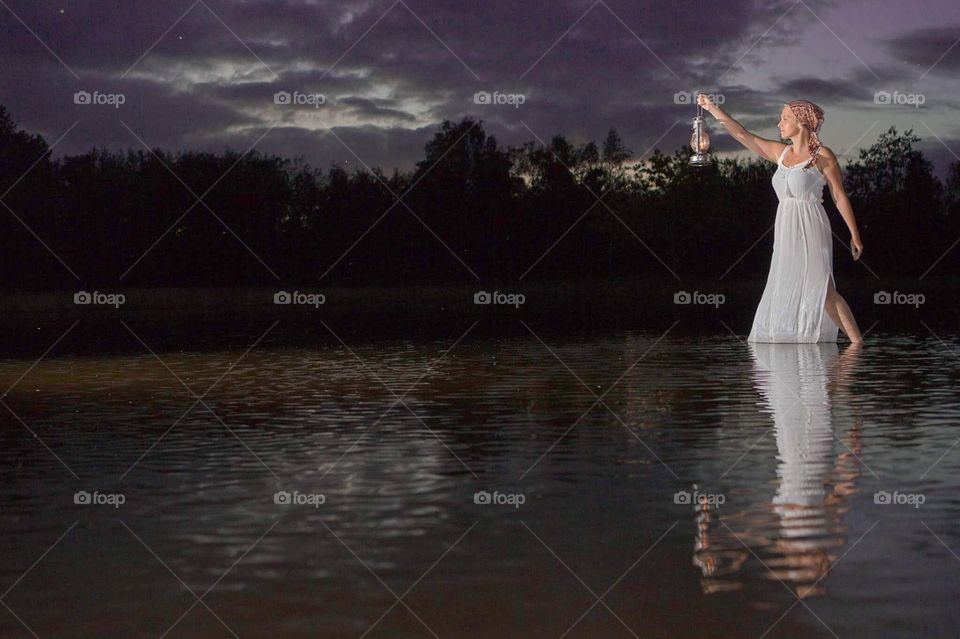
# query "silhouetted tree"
(554, 211)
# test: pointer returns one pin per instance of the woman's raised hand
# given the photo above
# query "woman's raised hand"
(706, 102)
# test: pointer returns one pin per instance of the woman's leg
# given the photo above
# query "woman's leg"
(839, 311)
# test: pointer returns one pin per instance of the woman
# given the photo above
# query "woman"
(800, 284)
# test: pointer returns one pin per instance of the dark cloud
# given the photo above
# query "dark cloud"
(933, 49)
(205, 72)
(376, 109)
(823, 91)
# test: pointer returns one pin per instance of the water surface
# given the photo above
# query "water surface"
(671, 485)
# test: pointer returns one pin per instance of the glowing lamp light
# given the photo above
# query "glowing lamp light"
(700, 141)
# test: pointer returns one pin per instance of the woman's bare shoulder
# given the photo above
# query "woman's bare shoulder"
(775, 149)
(827, 155)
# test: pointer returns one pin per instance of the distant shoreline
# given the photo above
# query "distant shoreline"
(640, 291)
(200, 319)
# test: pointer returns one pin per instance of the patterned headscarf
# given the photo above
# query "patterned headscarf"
(810, 117)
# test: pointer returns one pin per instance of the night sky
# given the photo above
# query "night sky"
(203, 74)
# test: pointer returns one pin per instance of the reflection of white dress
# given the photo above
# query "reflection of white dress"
(791, 308)
(793, 383)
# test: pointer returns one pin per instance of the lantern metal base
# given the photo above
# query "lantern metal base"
(700, 159)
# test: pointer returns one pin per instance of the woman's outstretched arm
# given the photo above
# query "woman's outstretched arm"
(769, 149)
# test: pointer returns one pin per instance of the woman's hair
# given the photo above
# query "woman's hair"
(810, 116)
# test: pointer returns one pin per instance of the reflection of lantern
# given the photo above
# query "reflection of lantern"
(700, 141)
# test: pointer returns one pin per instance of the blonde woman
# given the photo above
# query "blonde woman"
(800, 303)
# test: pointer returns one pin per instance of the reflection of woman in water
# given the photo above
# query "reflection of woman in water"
(800, 303)
(800, 385)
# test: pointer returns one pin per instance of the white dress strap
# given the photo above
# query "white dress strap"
(783, 153)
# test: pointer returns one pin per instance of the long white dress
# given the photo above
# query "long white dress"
(791, 308)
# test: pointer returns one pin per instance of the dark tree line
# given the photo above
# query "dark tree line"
(591, 209)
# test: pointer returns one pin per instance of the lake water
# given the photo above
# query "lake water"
(640, 484)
